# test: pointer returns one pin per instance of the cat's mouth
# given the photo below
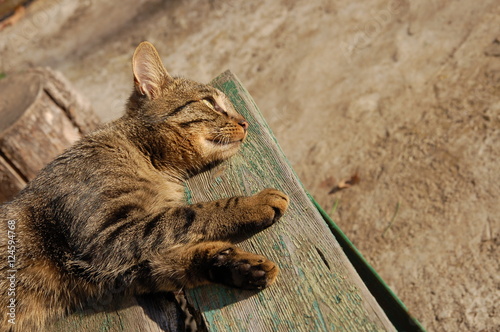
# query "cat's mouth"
(225, 141)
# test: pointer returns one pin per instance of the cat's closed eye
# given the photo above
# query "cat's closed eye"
(210, 102)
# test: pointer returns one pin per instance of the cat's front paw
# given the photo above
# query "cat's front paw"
(237, 268)
(273, 204)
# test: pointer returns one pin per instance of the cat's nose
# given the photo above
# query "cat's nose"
(244, 124)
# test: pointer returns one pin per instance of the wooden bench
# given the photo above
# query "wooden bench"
(319, 288)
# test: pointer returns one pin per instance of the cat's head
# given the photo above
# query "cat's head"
(189, 123)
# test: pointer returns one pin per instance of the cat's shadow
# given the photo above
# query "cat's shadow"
(163, 309)
(201, 299)
(215, 297)
(158, 311)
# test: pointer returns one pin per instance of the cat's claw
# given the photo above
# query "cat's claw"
(237, 268)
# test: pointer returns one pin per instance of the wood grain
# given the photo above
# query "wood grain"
(318, 289)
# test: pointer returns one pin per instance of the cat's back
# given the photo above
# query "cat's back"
(101, 161)
(78, 174)
(102, 172)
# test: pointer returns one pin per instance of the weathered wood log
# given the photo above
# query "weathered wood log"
(10, 181)
(40, 116)
(9, 6)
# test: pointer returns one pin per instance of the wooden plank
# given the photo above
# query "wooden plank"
(395, 309)
(318, 289)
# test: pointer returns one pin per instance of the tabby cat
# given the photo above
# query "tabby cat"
(110, 211)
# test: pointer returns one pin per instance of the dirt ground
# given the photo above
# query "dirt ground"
(406, 95)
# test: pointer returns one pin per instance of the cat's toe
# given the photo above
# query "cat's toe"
(277, 200)
(257, 276)
(261, 277)
(243, 270)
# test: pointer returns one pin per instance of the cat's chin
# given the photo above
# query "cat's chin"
(222, 150)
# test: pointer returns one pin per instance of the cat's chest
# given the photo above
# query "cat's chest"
(165, 192)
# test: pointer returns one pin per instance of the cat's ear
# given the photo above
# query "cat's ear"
(149, 72)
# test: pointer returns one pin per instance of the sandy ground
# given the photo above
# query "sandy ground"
(405, 95)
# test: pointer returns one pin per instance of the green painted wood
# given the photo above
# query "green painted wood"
(395, 309)
(318, 288)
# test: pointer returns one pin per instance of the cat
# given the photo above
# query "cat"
(109, 212)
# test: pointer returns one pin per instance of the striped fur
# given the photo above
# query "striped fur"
(108, 215)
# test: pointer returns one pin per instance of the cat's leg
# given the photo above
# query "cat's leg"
(181, 234)
(211, 262)
(233, 218)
